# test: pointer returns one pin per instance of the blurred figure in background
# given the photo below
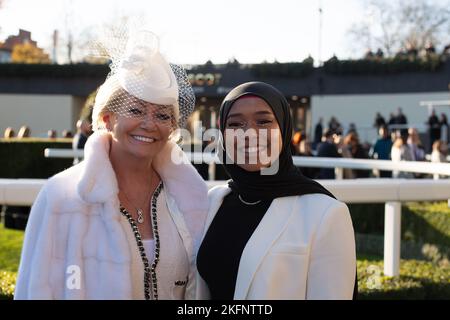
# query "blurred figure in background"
(334, 126)
(327, 148)
(352, 128)
(392, 120)
(439, 155)
(344, 150)
(382, 149)
(379, 121)
(305, 150)
(295, 143)
(51, 134)
(440, 152)
(401, 152)
(79, 140)
(402, 121)
(444, 128)
(434, 128)
(351, 142)
(417, 149)
(318, 132)
(83, 132)
(9, 133)
(24, 132)
(67, 134)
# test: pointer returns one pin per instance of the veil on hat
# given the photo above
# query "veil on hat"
(139, 73)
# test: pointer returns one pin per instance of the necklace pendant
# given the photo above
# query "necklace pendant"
(248, 203)
(140, 216)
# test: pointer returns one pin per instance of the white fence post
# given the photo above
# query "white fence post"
(392, 237)
(339, 173)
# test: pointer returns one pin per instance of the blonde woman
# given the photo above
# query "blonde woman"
(125, 223)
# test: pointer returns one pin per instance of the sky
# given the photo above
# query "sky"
(194, 31)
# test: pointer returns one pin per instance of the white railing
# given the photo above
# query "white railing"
(322, 162)
(63, 153)
(392, 192)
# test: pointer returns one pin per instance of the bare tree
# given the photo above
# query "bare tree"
(392, 26)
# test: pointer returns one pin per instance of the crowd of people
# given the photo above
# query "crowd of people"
(396, 141)
(25, 132)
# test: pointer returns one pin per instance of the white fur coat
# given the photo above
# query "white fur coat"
(75, 222)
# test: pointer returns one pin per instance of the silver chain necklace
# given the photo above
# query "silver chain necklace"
(248, 203)
(139, 211)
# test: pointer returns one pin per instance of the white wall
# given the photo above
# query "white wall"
(361, 109)
(39, 112)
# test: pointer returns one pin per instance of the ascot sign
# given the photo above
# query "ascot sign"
(204, 79)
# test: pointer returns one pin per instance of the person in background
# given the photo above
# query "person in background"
(444, 128)
(439, 155)
(379, 121)
(434, 128)
(327, 148)
(392, 122)
(24, 132)
(334, 126)
(382, 149)
(357, 151)
(415, 145)
(305, 150)
(343, 147)
(83, 132)
(440, 152)
(318, 132)
(401, 152)
(9, 133)
(67, 134)
(403, 121)
(352, 128)
(297, 137)
(51, 134)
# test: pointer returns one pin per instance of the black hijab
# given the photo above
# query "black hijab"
(288, 181)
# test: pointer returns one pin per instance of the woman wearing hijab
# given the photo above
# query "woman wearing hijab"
(122, 224)
(271, 232)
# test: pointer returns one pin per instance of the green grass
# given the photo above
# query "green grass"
(417, 280)
(427, 222)
(10, 248)
(424, 222)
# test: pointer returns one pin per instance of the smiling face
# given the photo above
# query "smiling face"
(252, 134)
(141, 131)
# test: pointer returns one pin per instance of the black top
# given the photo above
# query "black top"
(220, 253)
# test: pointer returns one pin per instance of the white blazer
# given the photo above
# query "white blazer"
(75, 222)
(303, 248)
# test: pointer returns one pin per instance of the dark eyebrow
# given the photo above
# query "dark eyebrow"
(258, 113)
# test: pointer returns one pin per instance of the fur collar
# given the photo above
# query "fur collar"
(98, 183)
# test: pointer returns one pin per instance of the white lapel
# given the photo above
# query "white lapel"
(184, 187)
(269, 229)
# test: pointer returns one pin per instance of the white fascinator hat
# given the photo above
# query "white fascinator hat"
(139, 72)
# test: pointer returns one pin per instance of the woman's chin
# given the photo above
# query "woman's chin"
(251, 167)
(144, 153)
